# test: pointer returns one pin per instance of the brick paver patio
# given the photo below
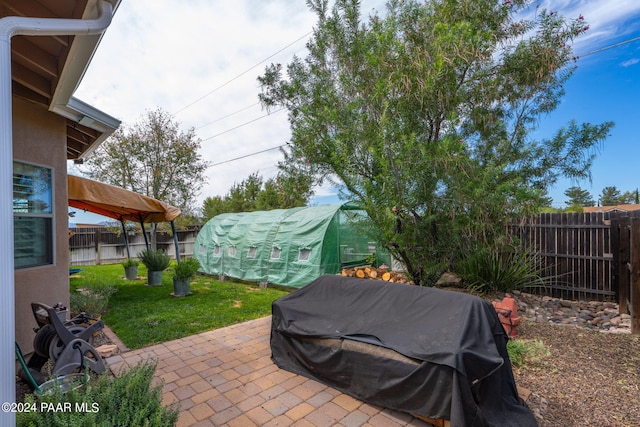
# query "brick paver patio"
(225, 377)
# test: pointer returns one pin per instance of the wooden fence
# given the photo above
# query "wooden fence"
(588, 256)
(101, 246)
(625, 239)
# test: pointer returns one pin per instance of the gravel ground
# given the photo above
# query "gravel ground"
(590, 378)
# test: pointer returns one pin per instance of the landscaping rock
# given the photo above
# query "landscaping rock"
(107, 350)
(603, 316)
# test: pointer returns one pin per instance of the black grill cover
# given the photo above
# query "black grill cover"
(452, 362)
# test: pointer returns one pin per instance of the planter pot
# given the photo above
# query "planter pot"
(181, 287)
(154, 278)
(131, 273)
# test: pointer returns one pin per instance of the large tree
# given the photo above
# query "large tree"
(153, 157)
(426, 114)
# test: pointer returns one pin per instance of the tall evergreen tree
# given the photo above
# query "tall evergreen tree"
(577, 196)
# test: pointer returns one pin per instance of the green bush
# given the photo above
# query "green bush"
(154, 259)
(130, 262)
(522, 352)
(486, 271)
(107, 401)
(93, 298)
(187, 268)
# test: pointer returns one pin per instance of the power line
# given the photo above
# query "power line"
(243, 124)
(608, 47)
(241, 74)
(279, 146)
(247, 155)
(228, 115)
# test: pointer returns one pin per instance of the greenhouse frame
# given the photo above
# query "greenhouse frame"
(288, 247)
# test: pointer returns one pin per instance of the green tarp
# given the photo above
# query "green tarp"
(289, 247)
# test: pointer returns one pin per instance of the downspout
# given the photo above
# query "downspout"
(12, 26)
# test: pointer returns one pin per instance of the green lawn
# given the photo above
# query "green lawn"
(142, 315)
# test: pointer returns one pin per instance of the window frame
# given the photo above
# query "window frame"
(49, 220)
(306, 251)
(252, 252)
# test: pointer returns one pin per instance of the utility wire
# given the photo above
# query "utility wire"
(241, 74)
(279, 146)
(247, 155)
(228, 115)
(608, 47)
(243, 124)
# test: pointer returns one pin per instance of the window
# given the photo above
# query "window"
(303, 254)
(252, 252)
(32, 215)
(216, 250)
(275, 253)
(232, 251)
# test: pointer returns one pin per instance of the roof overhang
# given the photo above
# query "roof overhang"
(48, 69)
(87, 127)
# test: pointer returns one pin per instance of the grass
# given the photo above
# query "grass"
(142, 315)
(523, 352)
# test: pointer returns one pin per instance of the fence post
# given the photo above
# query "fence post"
(634, 256)
(623, 263)
(614, 236)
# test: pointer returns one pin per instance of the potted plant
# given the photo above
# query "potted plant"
(156, 262)
(130, 268)
(182, 276)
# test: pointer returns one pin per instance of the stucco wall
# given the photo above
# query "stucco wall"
(39, 137)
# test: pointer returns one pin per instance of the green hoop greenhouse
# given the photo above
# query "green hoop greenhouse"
(288, 247)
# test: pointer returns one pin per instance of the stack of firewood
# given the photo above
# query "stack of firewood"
(368, 272)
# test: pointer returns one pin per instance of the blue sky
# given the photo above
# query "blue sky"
(199, 60)
(606, 86)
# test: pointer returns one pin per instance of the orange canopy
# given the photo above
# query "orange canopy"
(116, 202)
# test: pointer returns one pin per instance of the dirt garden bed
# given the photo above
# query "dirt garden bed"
(590, 378)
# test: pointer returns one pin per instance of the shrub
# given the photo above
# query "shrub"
(187, 268)
(154, 259)
(522, 352)
(130, 262)
(125, 400)
(93, 299)
(485, 270)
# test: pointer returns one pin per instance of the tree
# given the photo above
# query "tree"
(153, 157)
(284, 191)
(289, 189)
(426, 116)
(610, 196)
(629, 197)
(212, 206)
(578, 197)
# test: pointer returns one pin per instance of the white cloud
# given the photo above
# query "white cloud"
(168, 54)
(630, 62)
